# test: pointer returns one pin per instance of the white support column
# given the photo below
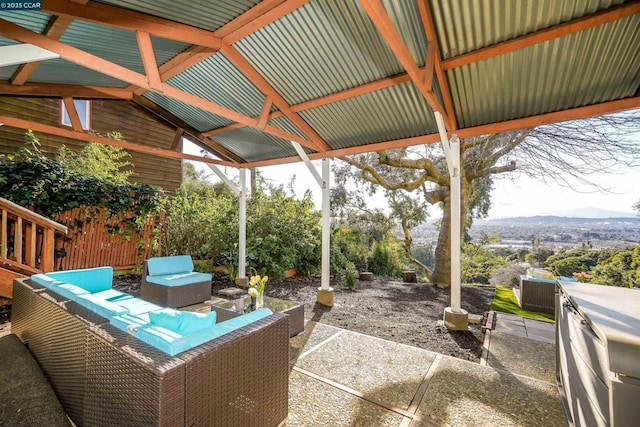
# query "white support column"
(325, 291)
(326, 225)
(242, 240)
(455, 318)
(454, 195)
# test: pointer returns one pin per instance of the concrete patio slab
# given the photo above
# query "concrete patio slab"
(522, 356)
(315, 403)
(462, 393)
(381, 370)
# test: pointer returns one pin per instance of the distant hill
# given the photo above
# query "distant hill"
(592, 212)
(587, 213)
(552, 219)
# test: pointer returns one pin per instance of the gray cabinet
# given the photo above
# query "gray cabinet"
(598, 353)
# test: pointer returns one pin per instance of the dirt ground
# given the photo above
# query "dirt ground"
(401, 312)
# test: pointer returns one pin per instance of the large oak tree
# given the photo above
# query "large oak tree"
(569, 153)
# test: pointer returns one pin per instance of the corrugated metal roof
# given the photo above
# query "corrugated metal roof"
(393, 113)
(252, 144)
(534, 80)
(217, 80)
(321, 48)
(197, 118)
(206, 14)
(32, 20)
(286, 125)
(463, 26)
(65, 72)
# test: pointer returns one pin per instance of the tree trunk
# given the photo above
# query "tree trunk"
(441, 276)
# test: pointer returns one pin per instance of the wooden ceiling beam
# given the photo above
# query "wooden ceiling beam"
(261, 83)
(577, 25)
(329, 99)
(432, 41)
(83, 136)
(72, 112)
(394, 40)
(512, 125)
(103, 14)
(55, 29)
(48, 90)
(256, 18)
(195, 136)
(77, 56)
(149, 60)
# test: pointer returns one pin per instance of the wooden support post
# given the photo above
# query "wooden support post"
(48, 247)
(3, 243)
(17, 241)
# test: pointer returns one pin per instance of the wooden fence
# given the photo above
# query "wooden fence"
(92, 245)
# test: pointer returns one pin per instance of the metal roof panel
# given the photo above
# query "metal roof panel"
(253, 145)
(533, 81)
(197, 118)
(218, 80)
(321, 48)
(393, 113)
(206, 14)
(463, 26)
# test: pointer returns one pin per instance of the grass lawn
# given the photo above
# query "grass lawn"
(504, 301)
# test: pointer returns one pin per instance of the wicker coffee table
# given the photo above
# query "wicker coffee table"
(229, 309)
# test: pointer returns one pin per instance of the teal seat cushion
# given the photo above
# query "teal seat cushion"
(172, 342)
(99, 306)
(137, 306)
(69, 291)
(112, 295)
(91, 279)
(160, 266)
(179, 279)
(45, 280)
(127, 322)
(182, 322)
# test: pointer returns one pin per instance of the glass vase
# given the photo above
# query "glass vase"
(260, 299)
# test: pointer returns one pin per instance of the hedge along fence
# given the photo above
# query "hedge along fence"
(92, 241)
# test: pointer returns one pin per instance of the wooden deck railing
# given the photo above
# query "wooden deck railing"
(27, 240)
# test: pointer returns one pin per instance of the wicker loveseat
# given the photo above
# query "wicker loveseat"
(104, 376)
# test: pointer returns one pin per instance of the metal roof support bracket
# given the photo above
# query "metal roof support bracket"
(455, 318)
(308, 163)
(224, 179)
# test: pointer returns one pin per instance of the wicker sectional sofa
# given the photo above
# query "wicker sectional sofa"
(104, 376)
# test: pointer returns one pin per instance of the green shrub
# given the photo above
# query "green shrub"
(349, 276)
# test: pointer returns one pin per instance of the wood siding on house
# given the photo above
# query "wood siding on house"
(135, 124)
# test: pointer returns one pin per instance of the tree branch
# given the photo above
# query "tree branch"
(492, 171)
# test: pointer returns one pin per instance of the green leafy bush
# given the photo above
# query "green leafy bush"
(49, 187)
(282, 232)
(349, 276)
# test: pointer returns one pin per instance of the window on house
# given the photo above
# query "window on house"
(83, 107)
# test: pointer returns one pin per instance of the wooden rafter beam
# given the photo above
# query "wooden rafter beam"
(394, 40)
(55, 29)
(329, 99)
(580, 24)
(432, 42)
(256, 18)
(527, 122)
(149, 60)
(190, 133)
(76, 124)
(132, 21)
(82, 136)
(264, 114)
(49, 90)
(261, 83)
(103, 66)
(177, 138)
